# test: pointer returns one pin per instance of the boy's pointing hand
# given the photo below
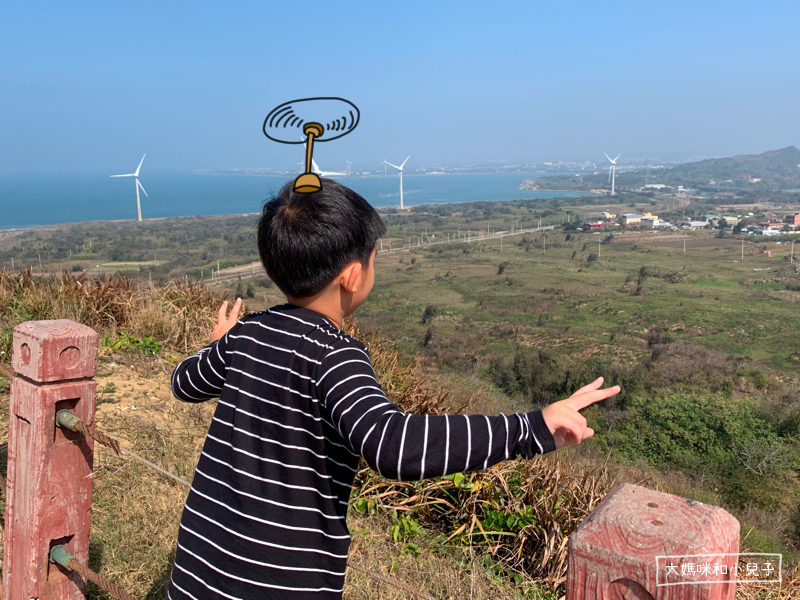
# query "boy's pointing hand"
(225, 322)
(566, 424)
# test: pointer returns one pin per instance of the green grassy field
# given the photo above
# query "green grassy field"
(592, 305)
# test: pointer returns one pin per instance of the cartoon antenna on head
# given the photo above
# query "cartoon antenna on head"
(320, 119)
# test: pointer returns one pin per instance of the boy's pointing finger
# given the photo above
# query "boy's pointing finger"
(222, 315)
(591, 387)
(581, 401)
(235, 312)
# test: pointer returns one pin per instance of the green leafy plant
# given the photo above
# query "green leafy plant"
(405, 529)
(146, 344)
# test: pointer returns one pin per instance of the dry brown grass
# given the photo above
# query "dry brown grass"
(179, 315)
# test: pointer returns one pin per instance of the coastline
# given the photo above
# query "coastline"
(28, 203)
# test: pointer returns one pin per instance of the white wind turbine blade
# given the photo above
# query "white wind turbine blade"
(609, 173)
(140, 165)
(404, 162)
(139, 183)
(608, 157)
(615, 160)
(126, 175)
(395, 166)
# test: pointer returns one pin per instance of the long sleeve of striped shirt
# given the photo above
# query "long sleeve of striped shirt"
(201, 376)
(405, 446)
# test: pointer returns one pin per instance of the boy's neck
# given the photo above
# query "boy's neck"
(322, 304)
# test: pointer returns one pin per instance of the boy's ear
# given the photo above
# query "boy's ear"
(350, 276)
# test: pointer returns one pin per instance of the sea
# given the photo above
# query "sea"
(31, 201)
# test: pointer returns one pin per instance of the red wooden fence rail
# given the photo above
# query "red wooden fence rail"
(49, 493)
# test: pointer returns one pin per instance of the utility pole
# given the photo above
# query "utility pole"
(544, 242)
(598, 248)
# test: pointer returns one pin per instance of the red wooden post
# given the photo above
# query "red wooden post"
(613, 553)
(49, 494)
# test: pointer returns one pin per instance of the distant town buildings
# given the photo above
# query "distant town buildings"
(631, 219)
(645, 220)
(594, 225)
(693, 224)
(730, 221)
(649, 221)
(608, 215)
(792, 219)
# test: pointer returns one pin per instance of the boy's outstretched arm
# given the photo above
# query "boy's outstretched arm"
(404, 446)
(201, 376)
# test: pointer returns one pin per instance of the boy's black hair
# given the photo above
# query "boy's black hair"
(305, 240)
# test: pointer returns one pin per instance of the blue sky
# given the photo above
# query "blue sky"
(89, 87)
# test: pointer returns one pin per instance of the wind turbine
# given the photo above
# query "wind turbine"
(348, 166)
(612, 171)
(400, 173)
(315, 169)
(138, 185)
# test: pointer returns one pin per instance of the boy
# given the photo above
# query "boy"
(299, 406)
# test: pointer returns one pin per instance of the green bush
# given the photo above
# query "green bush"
(146, 344)
(708, 434)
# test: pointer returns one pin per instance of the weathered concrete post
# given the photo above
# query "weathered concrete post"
(49, 494)
(638, 544)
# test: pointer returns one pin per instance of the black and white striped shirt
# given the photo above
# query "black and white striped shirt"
(299, 406)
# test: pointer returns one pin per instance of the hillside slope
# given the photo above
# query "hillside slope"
(777, 169)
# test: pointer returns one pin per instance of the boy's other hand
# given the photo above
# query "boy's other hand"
(224, 322)
(567, 425)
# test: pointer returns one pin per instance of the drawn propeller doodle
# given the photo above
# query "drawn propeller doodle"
(320, 120)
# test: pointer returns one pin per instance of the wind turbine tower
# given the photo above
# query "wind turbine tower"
(138, 185)
(612, 171)
(400, 173)
(348, 166)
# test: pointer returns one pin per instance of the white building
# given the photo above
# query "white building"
(649, 221)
